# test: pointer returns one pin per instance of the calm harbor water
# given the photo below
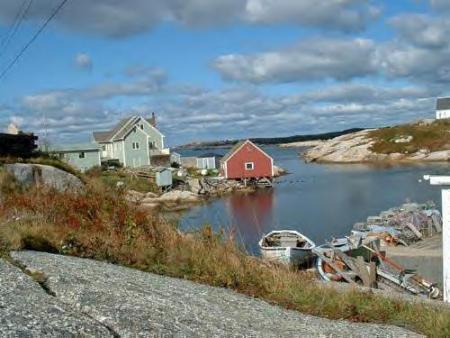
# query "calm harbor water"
(321, 201)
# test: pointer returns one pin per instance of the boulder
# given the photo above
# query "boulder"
(278, 171)
(403, 139)
(150, 195)
(134, 196)
(148, 207)
(348, 148)
(443, 155)
(147, 200)
(194, 185)
(177, 195)
(39, 174)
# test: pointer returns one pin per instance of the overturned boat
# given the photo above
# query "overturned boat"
(286, 246)
(360, 261)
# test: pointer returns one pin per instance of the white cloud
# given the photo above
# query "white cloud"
(418, 64)
(313, 59)
(440, 4)
(83, 61)
(123, 18)
(423, 30)
(419, 52)
(185, 115)
(348, 15)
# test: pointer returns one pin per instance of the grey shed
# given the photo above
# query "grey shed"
(163, 177)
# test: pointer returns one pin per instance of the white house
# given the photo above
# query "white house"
(133, 142)
(443, 108)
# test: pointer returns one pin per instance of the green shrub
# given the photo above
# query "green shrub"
(432, 137)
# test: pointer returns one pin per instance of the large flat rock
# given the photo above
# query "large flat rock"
(38, 174)
(138, 304)
(26, 310)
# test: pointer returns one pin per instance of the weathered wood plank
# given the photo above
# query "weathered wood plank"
(335, 268)
(414, 230)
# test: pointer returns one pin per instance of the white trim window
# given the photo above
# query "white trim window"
(81, 155)
(135, 145)
(249, 166)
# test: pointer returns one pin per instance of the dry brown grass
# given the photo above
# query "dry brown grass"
(432, 137)
(99, 224)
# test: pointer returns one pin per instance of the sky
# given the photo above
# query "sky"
(222, 69)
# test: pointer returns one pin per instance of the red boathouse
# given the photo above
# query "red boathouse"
(247, 161)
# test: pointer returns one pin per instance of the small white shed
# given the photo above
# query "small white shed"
(208, 161)
(163, 177)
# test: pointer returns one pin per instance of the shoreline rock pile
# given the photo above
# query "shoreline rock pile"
(404, 225)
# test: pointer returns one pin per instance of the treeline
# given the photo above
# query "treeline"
(302, 138)
(275, 140)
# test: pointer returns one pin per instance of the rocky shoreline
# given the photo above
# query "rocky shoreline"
(74, 298)
(356, 148)
(198, 190)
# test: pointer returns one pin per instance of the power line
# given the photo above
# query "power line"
(16, 19)
(18, 22)
(35, 36)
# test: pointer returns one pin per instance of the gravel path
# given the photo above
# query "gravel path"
(132, 303)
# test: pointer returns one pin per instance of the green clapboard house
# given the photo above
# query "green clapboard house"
(133, 142)
(80, 156)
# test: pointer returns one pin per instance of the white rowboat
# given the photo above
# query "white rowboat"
(286, 246)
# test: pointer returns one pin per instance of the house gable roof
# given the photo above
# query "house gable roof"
(101, 136)
(238, 146)
(121, 130)
(233, 150)
(126, 128)
(443, 103)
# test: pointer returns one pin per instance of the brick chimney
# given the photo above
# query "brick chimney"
(153, 120)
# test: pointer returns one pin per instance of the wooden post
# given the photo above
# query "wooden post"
(373, 275)
(363, 273)
(446, 242)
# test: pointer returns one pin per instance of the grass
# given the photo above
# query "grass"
(99, 224)
(432, 137)
(112, 178)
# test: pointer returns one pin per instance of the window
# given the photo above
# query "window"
(135, 145)
(134, 129)
(249, 166)
(81, 155)
(104, 148)
(142, 126)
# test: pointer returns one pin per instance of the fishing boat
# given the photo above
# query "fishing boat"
(286, 246)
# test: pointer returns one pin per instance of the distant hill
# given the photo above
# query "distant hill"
(272, 140)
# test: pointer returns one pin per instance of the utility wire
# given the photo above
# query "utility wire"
(35, 36)
(15, 28)
(16, 20)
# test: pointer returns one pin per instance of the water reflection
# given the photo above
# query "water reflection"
(251, 214)
(321, 201)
